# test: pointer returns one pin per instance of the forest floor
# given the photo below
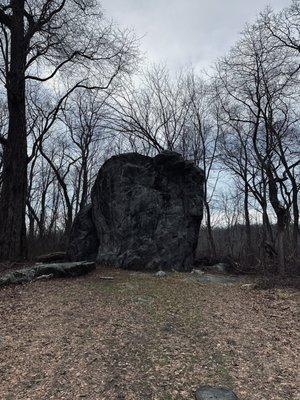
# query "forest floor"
(140, 337)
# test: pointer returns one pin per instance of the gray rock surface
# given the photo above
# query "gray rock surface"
(197, 271)
(55, 270)
(83, 241)
(210, 393)
(146, 211)
(160, 274)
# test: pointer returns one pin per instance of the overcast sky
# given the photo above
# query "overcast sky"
(186, 32)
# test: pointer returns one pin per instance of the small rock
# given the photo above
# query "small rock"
(160, 274)
(211, 393)
(167, 327)
(44, 277)
(231, 342)
(219, 268)
(248, 286)
(144, 299)
(197, 271)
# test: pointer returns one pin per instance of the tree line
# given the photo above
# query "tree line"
(71, 98)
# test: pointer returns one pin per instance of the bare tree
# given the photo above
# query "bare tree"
(40, 40)
(284, 27)
(256, 88)
(85, 120)
(199, 140)
(156, 112)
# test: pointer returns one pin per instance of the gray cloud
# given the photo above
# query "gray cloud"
(183, 32)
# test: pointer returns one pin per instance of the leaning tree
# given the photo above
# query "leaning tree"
(42, 41)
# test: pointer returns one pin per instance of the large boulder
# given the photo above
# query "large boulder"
(147, 211)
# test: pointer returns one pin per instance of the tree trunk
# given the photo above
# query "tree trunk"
(295, 222)
(282, 215)
(267, 228)
(31, 226)
(14, 187)
(84, 193)
(209, 231)
(69, 221)
(42, 224)
(281, 252)
(247, 223)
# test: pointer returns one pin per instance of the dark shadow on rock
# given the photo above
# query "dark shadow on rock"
(83, 242)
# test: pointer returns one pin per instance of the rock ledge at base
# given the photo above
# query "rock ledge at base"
(145, 213)
(54, 270)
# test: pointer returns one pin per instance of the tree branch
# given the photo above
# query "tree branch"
(4, 18)
(3, 141)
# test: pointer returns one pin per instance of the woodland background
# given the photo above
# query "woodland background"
(74, 91)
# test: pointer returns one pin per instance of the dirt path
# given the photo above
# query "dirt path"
(141, 337)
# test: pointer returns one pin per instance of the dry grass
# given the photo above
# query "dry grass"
(142, 337)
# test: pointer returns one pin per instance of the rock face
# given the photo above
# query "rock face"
(83, 238)
(146, 212)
